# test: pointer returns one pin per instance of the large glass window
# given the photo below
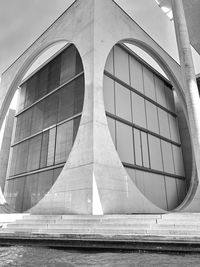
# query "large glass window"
(143, 125)
(50, 106)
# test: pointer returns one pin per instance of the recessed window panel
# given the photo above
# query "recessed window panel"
(125, 142)
(123, 102)
(18, 194)
(30, 192)
(172, 194)
(145, 150)
(181, 188)
(178, 160)
(160, 92)
(31, 85)
(155, 153)
(51, 146)
(64, 141)
(22, 97)
(109, 94)
(8, 191)
(138, 147)
(42, 81)
(44, 149)
(68, 64)
(121, 64)
(78, 95)
(167, 157)
(174, 131)
(37, 117)
(138, 110)
(136, 75)
(54, 73)
(152, 117)
(149, 86)
(34, 153)
(163, 123)
(169, 98)
(22, 157)
(132, 174)
(50, 110)
(154, 189)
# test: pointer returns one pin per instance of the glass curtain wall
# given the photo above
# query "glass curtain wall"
(49, 112)
(142, 120)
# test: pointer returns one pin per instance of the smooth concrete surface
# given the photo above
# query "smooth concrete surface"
(5, 147)
(161, 232)
(94, 26)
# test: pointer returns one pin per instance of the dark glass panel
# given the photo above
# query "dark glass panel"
(68, 64)
(22, 156)
(172, 194)
(50, 110)
(8, 192)
(42, 81)
(51, 146)
(37, 118)
(79, 64)
(25, 124)
(64, 141)
(44, 149)
(54, 73)
(18, 194)
(45, 181)
(34, 153)
(109, 94)
(31, 90)
(30, 192)
(155, 153)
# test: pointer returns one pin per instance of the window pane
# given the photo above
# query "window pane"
(78, 95)
(181, 188)
(24, 124)
(64, 141)
(44, 149)
(37, 118)
(136, 74)
(167, 157)
(169, 98)
(54, 73)
(31, 91)
(145, 150)
(8, 192)
(160, 92)
(18, 192)
(123, 102)
(45, 181)
(138, 110)
(51, 146)
(51, 110)
(22, 156)
(125, 142)
(109, 62)
(163, 123)
(76, 126)
(172, 196)
(132, 174)
(109, 96)
(121, 64)
(178, 161)
(138, 147)
(155, 153)
(42, 81)
(22, 92)
(30, 191)
(56, 173)
(155, 189)
(34, 153)
(152, 117)
(174, 131)
(149, 87)
(68, 64)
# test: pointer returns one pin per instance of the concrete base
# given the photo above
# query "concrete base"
(178, 232)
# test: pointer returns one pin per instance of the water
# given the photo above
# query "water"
(36, 256)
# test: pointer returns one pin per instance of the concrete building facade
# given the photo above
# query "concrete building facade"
(98, 131)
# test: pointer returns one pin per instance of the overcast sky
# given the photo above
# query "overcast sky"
(22, 21)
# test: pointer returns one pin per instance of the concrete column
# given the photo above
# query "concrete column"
(190, 86)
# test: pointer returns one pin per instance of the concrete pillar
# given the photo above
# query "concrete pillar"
(190, 89)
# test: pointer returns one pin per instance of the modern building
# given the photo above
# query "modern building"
(98, 130)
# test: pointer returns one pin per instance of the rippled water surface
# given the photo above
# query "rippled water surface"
(36, 256)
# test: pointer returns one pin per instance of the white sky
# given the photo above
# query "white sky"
(22, 21)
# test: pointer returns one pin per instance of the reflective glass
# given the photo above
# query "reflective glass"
(109, 94)
(155, 153)
(149, 87)
(138, 110)
(136, 75)
(121, 62)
